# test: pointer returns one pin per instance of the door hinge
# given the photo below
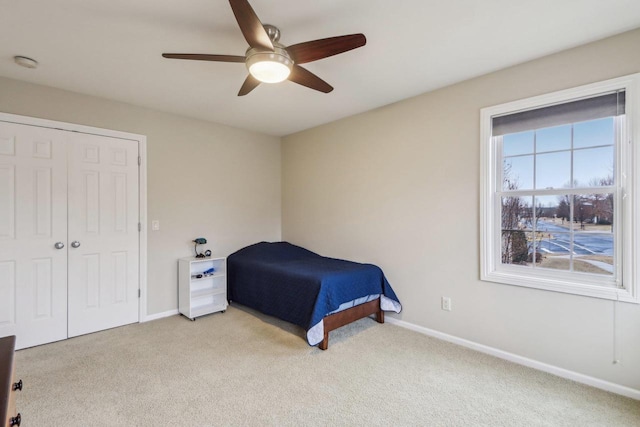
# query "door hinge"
(139, 227)
(139, 293)
(139, 160)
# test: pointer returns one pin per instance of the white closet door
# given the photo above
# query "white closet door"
(103, 233)
(33, 218)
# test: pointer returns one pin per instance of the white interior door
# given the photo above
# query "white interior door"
(33, 220)
(103, 233)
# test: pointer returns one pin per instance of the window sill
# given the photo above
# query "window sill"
(510, 277)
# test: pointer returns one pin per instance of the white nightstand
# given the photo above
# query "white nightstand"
(207, 294)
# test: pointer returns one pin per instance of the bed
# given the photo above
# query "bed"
(319, 294)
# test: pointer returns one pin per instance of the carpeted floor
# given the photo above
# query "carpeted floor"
(244, 369)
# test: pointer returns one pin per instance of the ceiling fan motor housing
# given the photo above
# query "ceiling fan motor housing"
(273, 32)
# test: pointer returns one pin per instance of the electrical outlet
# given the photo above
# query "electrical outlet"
(446, 303)
(155, 225)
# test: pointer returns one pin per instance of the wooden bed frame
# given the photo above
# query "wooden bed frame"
(341, 318)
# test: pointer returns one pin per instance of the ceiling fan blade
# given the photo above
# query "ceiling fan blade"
(307, 78)
(204, 57)
(250, 25)
(318, 49)
(250, 83)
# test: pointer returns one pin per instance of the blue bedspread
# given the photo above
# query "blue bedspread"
(297, 285)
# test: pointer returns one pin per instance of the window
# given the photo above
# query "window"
(559, 191)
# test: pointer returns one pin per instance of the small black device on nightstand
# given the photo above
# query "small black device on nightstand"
(199, 241)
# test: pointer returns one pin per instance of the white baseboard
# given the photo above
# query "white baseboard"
(560, 372)
(157, 316)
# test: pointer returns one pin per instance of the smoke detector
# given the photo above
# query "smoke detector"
(23, 61)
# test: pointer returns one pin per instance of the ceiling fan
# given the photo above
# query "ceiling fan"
(269, 61)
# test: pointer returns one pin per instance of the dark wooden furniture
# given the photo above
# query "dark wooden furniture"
(342, 318)
(8, 388)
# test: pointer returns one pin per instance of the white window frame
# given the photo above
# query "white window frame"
(627, 177)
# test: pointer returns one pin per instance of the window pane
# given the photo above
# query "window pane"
(589, 243)
(553, 139)
(515, 247)
(593, 167)
(548, 220)
(603, 210)
(547, 207)
(593, 253)
(526, 214)
(516, 213)
(517, 143)
(594, 132)
(593, 265)
(555, 242)
(518, 173)
(563, 214)
(553, 170)
(594, 212)
(555, 247)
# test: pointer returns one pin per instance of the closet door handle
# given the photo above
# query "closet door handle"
(59, 245)
(75, 244)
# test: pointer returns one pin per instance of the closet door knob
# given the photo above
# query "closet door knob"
(59, 245)
(17, 386)
(75, 244)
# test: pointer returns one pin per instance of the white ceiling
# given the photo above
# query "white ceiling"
(112, 49)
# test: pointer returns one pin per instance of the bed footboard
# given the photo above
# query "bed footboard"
(337, 320)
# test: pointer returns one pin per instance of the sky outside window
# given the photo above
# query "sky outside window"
(554, 154)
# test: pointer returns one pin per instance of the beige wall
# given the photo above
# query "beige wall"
(399, 186)
(204, 179)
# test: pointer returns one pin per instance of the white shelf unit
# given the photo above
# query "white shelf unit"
(204, 295)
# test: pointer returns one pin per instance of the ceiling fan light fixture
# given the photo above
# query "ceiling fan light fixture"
(269, 67)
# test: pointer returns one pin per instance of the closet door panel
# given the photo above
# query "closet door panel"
(103, 220)
(33, 219)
